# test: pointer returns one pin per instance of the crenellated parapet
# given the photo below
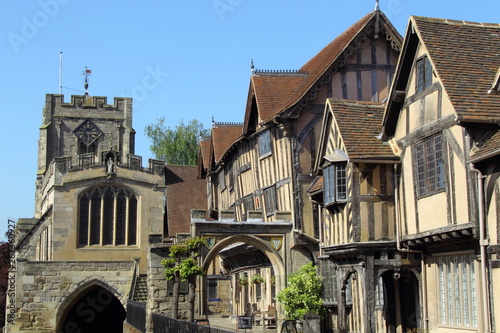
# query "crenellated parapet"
(85, 106)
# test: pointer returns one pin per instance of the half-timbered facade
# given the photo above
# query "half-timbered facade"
(355, 196)
(263, 175)
(442, 121)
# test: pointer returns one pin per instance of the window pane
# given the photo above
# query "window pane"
(420, 75)
(428, 72)
(212, 289)
(121, 218)
(270, 200)
(132, 221)
(95, 219)
(341, 182)
(429, 164)
(329, 184)
(265, 143)
(84, 221)
(108, 218)
(457, 291)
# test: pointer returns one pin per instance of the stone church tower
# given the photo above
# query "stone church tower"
(97, 210)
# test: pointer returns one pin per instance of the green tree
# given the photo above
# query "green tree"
(182, 265)
(178, 145)
(303, 293)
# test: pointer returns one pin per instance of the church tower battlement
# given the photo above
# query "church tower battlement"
(87, 125)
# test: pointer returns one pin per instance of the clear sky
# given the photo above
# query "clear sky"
(177, 59)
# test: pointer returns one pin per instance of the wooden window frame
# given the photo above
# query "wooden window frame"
(423, 74)
(221, 179)
(457, 291)
(335, 183)
(330, 286)
(265, 144)
(429, 166)
(270, 200)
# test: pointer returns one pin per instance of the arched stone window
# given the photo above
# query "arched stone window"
(107, 216)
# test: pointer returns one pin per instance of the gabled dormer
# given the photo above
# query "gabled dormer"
(456, 60)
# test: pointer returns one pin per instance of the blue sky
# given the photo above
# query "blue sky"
(177, 59)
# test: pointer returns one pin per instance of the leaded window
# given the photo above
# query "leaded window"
(107, 216)
(424, 74)
(265, 143)
(329, 275)
(429, 165)
(457, 291)
(335, 183)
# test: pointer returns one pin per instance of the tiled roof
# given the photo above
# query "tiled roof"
(271, 92)
(184, 193)
(359, 125)
(488, 149)
(223, 136)
(205, 152)
(321, 62)
(466, 58)
(316, 185)
(278, 92)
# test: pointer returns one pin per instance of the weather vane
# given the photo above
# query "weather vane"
(86, 73)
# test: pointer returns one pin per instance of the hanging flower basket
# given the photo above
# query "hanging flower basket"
(257, 279)
(243, 281)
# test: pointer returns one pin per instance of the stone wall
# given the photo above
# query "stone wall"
(46, 289)
(159, 300)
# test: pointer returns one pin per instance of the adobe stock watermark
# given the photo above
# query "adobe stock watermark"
(30, 27)
(393, 7)
(150, 81)
(223, 6)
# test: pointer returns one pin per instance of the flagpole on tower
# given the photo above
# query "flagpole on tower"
(86, 73)
(60, 73)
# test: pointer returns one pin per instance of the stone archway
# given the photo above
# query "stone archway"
(261, 244)
(94, 309)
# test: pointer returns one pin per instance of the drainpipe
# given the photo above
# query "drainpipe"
(483, 243)
(401, 249)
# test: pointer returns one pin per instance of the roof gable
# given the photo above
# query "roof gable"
(358, 124)
(268, 92)
(223, 136)
(465, 58)
(374, 23)
(274, 92)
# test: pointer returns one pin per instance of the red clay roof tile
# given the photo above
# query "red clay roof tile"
(466, 57)
(359, 125)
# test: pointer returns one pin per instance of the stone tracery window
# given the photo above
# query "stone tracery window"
(107, 216)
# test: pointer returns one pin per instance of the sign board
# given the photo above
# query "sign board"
(244, 322)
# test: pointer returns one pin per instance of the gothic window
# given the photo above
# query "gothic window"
(424, 74)
(107, 216)
(265, 143)
(429, 165)
(335, 183)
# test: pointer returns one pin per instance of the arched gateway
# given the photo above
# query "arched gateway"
(227, 238)
(92, 308)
